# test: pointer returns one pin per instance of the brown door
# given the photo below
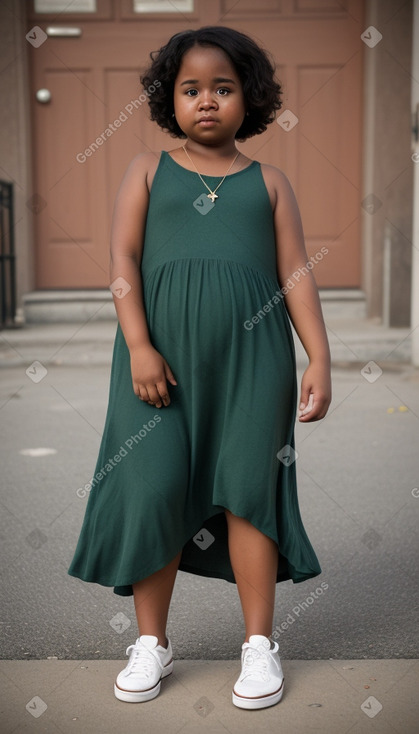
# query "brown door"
(96, 121)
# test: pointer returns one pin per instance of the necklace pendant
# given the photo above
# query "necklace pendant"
(212, 196)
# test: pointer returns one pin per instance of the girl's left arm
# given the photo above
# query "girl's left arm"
(302, 299)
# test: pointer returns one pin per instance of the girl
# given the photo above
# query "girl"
(196, 467)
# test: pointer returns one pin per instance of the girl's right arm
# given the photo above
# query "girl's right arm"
(149, 369)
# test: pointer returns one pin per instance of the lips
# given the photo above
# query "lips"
(204, 120)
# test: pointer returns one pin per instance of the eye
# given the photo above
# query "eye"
(191, 92)
(223, 91)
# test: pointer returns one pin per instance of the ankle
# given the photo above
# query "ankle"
(260, 634)
(162, 639)
(247, 638)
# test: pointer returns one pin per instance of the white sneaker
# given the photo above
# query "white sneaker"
(261, 681)
(149, 662)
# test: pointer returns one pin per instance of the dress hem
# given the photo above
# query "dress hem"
(297, 577)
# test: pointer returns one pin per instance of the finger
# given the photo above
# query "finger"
(163, 392)
(169, 374)
(305, 392)
(310, 404)
(143, 394)
(317, 412)
(306, 402)
(310, 408)
(154, 397)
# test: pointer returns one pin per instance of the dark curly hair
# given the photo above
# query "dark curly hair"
(253, 66)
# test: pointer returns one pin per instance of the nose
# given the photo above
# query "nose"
(207, 100)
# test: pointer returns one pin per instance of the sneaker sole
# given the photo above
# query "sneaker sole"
(258, 703)
(140, 696)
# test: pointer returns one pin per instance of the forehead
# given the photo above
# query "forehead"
(204, 61)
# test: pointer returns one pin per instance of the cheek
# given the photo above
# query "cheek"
(182, 103)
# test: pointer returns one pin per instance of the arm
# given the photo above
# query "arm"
(149, 369)
(302, 301)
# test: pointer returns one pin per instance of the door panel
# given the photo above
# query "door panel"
(95, 123)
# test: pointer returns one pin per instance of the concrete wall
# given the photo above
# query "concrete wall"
(388, 168)
(414, 324)
(15, 146)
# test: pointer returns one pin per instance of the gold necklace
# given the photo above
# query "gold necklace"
(212, 195)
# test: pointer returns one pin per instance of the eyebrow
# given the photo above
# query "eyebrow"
(217, 79)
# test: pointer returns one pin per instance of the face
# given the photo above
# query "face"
(208, 98)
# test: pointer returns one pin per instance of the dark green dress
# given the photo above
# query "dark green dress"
(215, 312)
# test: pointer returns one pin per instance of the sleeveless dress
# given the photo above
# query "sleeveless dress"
(226, 441)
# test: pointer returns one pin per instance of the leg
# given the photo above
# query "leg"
(152, 597)
(254, 558)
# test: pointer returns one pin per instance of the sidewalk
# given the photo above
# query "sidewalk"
(90, 343)
(327, 696)
(330, 696)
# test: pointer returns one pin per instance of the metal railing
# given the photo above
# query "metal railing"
(7, 257)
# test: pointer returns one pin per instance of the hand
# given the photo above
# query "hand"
(316, 393)
(149, 372)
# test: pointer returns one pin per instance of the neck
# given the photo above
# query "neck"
(211, 152)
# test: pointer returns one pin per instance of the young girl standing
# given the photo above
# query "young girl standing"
(196, 467)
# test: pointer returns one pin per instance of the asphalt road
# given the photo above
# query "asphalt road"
(358, 472)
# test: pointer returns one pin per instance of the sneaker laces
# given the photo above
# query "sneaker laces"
(142, 660)
(255, 665)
